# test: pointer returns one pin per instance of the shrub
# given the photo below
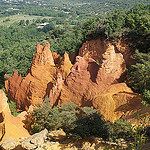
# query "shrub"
(120, 129)
(13, 108)
(89, 123)
(138, 75)
(75, 121)
(80, 122)
(54, 118)
(146, 96)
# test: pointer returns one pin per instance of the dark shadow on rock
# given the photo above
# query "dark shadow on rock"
(86, 102)
(1, 117)
(49, 87)
(57, 100)
(93, 68)
(132, 105)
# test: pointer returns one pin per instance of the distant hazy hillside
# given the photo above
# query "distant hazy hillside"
(75, 7)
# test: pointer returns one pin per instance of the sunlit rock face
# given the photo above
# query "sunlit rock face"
(39, 80)
(95, 79)
(10, 127)
(97, 47)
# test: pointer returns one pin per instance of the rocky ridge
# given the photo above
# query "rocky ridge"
(57, 140)
(94, 80)
(39, 80)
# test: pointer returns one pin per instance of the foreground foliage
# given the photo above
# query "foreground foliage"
(80, 122)
(76, 121)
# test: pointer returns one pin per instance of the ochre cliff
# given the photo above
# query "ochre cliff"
(95, 48)
(39, 80)
(89, 79)
(10, 127)
(91, 85)
(94, 80)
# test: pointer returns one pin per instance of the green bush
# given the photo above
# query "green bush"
(138, 75)
(54, 118)
(120, 129)
(13, 108)
(146, 95)
(89, 123)
(78, 122)
(81, 122)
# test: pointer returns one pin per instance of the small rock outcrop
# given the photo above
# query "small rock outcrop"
(65, 66)
(35, 141)
(56, 89)
(9, 144)
(58, 135)
(10, 127)
(27, 118)
(38, 141)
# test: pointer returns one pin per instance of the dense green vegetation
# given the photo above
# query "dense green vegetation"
(82, 122)
(139, 75)
(17, 46)
(62, 8)
(76, 121)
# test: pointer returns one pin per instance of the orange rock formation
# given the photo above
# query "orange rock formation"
(95, 48)
(90, 84)
(10, 127)
(94, 80)
(39, 80)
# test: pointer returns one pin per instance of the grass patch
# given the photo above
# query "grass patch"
(7, 21)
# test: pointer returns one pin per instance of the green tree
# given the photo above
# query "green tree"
(22, 22)
(44, 20)
(139, 74)
(76, 121)
(27, 22)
